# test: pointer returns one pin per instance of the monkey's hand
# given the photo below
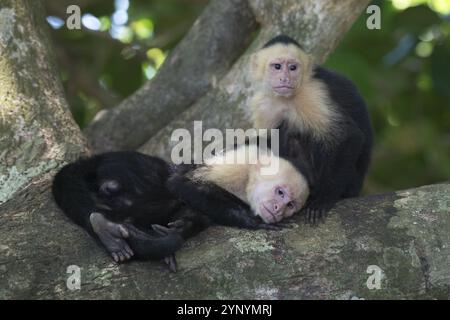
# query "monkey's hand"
(316, 212)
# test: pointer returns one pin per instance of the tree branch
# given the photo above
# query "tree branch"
(206, 53)
(405, 234)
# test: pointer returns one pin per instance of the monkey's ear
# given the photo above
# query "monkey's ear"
(308, 64)
(255, 72)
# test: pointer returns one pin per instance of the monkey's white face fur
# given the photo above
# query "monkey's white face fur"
(271, 196)
(280, 68)
(278, 196)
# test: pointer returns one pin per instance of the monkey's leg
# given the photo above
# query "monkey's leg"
(112, 235)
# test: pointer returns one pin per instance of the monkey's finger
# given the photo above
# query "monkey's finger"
(309, 214)
(176, 224)
(315, 216)
(171, 263)
(123, 231)
(161, 229)
(126, 255)
(115, 256)
(128, 250)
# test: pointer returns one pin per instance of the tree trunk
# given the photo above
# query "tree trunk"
(405, 234)
(37, 132)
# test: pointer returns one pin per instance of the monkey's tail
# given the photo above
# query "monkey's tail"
(151, 245)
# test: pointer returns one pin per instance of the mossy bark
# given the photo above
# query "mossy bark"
(37, 133)
(405, 234)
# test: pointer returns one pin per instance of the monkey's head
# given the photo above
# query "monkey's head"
(274, 197)
(272, 186)
(281, 66)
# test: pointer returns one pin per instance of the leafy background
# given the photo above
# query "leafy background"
(402, 70)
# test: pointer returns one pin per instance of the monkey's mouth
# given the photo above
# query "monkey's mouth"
(283, 89)
(269, 216)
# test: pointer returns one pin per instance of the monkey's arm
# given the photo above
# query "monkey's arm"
(332, 183)
(218, 204)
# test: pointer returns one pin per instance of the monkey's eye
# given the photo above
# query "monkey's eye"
(293, 67)
(280, 192)
(290, 205)
(277, 66)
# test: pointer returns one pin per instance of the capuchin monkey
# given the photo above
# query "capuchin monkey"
(241, 186)
(139, 205)
(323, 121)
(121, 199)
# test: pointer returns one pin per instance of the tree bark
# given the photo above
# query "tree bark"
(215, 41)
(405, 234)
(318, 25)
(37, 132)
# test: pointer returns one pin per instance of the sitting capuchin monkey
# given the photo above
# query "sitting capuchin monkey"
(323, 121)
(139, 205)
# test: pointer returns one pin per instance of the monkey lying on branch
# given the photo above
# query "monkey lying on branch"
(139, 205)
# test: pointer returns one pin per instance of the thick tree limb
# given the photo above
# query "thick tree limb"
(37, 132)
(317, 24)
(216, 39)
(405, 234)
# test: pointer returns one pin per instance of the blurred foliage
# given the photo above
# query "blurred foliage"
(402, 70)
(121, 44)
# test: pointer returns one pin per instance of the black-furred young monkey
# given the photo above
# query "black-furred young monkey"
(118, 196)
(323, 121)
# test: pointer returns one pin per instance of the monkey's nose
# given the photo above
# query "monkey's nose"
(277, 207)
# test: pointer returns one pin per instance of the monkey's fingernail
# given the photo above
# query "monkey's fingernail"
(124, 231)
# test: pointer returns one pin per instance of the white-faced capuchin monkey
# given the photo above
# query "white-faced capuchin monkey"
(240, 185)
(323, 121)
(139, 205)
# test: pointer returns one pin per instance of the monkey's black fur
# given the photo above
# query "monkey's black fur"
(133, 189)
(282, 39)
(218, 204)
(139, 199)
(337, 167)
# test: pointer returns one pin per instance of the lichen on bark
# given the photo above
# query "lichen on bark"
(37, 133)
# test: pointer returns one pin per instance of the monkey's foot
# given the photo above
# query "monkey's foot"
(171, 263)
(112, 235)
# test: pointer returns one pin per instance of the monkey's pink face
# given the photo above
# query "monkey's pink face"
(274, 203)
(283, 76)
